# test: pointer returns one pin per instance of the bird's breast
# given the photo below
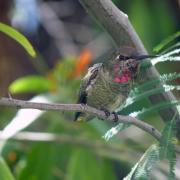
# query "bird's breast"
(105, 94)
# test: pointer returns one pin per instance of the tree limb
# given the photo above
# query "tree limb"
(118, 26)
(83, 108)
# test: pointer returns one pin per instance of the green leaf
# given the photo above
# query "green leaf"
(21, 39)
(5, 173)
(166, 42)
(161, 79)
(141, 90)
(30, 84)
(142, 113)
(174, 46)
(114, 130)
(143, 167)
(170, 56)
(137, 95)
(167, 148)
(155, 108)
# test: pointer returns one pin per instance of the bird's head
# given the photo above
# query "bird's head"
(124, 65)
(124, 69)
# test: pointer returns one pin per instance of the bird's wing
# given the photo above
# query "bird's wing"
(85, 85)
(86, 82)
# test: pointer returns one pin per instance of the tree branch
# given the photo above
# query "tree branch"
(83, 108)
(116, 23)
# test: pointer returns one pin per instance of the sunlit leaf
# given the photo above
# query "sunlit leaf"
(145, 90)
(143, 167)
(161, 79)
(114, 131)
(5, 173)
(30, 84)
(136, 95)
(141, 113)
(17, 36)
(167, 148)
(169, 56)
(155, 108)
(172, 55)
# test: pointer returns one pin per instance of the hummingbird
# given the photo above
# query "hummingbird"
(107, 85)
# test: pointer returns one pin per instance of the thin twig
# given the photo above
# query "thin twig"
(83, 108)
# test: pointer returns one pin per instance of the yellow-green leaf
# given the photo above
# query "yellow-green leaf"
(30, 84)
(17, 36)
(5, 173)
(164, 43)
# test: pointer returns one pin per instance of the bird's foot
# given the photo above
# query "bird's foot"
(106, 112)
(115, 117)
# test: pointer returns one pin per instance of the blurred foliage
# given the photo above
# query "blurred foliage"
(95, 150)
(153, 20)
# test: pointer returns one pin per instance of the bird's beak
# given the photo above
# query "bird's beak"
(143, 57)
(136, 57)
(144, 62)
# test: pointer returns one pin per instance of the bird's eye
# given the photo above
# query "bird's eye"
(122, 57)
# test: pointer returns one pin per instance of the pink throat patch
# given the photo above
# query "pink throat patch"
(125, 77)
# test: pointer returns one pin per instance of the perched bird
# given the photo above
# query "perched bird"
(107, 85)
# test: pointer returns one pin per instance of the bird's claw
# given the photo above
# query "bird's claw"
(106, 112)
(115, 117)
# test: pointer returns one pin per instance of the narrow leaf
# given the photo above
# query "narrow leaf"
(166, 42)
(155, 108)
(161, 79)
(114, 130)
(167, 58)
(143, 167)
(137, 95)
(145, 111)
(17, 36)
(167, 148)
(5, 173)
(174, 46)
